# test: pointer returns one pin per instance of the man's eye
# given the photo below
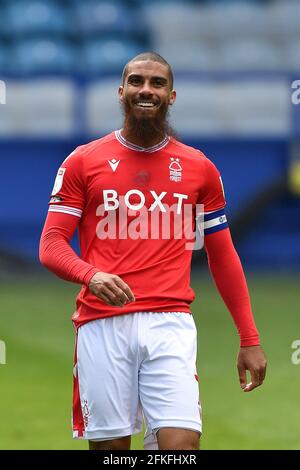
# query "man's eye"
(134, 81)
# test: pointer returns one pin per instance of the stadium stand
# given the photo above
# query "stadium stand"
(107, 54)
(3, 58)
(234, 62)
(108, 17)
(39, 108)
(285, 15)
(104, 92)
(266, 31)
(249, 54)
(291, 55)
(42, 55)
(195, 57)
(30, 17)
(232, 108)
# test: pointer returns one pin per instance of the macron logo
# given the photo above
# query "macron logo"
(114, 164)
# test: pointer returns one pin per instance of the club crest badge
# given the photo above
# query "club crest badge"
(175, 170)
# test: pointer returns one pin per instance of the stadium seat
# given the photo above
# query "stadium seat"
(186, 57)
(168, 3)
(106, 55)
(233, 19)
(102, 106)
(30, 17)
(286, 16)
(3, 29)
(249, 54)
(257, 107)
(195, 22)
(41, 107)
(291, 54)
(43, 55)
(4, 59)
(197, 110)
(233, 2)
(173, 21)
(231, 108)
(103, 17)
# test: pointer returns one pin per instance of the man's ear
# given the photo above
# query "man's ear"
(120, 93)
(172, 97)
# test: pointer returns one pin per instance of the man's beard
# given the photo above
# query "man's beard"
(147, 129)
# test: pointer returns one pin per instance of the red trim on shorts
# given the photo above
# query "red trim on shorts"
(78, 423)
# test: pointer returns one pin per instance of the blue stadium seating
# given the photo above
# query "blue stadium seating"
(286, 14)
(103, 55)
(104, 17)
(161, 2)
(249, 54)
(4, 60)
(237, 19)
(230, 34)
(292, 55)
(44, 54)
(29, 17)
(216, 2)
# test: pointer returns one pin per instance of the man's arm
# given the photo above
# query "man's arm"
(57, 255)
(227, 272)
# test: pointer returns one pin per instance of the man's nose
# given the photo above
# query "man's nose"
(146, 89)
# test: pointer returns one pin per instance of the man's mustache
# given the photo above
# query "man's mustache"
(147, 127)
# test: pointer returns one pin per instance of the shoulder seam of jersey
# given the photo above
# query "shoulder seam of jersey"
(188, 147)
(90, 146)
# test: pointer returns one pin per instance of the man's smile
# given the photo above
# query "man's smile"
(145, 104)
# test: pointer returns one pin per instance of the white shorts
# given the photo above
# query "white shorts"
(132, 366)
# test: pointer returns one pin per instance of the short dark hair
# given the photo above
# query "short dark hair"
(149, 56)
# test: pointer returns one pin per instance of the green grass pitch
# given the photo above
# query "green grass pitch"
(36, 382)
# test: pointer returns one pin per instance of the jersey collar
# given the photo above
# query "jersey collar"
(137, 148)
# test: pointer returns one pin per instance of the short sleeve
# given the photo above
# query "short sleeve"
(68, 193)
(212, 197)
(212, 192)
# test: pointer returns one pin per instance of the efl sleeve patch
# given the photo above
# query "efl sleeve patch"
(222, 187)
(58, 181)
(215, 221)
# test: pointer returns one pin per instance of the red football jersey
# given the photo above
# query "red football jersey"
(133, 205)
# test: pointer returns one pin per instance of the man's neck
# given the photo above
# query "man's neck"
(132, 138)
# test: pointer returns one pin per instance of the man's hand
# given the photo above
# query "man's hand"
(111, 289)
(251, 358)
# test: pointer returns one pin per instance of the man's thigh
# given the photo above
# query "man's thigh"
(169, 389)
(106, 398)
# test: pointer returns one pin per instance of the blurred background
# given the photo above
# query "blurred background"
(236, 65)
